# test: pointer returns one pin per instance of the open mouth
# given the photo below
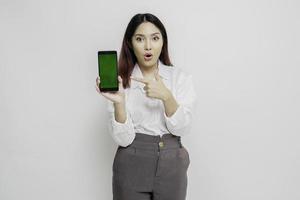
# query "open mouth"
(148, 56)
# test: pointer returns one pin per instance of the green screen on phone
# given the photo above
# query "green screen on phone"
(108, 70)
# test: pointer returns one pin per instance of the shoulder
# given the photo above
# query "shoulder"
(177, 73)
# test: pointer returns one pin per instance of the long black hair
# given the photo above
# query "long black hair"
(127, 58)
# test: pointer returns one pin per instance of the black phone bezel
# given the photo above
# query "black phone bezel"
(108, 89)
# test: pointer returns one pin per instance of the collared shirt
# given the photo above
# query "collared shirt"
(147, 115)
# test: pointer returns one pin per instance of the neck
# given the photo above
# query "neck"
(148, 71)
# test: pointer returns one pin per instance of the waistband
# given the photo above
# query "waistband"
(156, 142)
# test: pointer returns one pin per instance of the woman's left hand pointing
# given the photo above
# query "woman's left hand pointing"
(154, 88)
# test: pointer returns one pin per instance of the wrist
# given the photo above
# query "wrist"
(118, 103)
(167, 96)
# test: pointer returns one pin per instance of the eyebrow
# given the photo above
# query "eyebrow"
(138, 34)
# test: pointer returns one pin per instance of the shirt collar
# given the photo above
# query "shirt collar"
(162, 71)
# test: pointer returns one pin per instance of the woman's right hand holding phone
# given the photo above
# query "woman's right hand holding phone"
(115, 97)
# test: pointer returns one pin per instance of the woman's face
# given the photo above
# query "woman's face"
(147, 43)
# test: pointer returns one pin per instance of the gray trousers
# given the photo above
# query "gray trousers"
(151, 168)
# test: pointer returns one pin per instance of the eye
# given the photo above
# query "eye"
(138, 39)
(156, 38)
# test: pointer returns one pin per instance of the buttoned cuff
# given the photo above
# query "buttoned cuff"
(122, 133)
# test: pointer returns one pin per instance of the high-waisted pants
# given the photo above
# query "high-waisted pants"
(151, 168)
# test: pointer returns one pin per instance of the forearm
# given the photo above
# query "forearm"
(121, 125)
(120, 112)
(177, 117)
(170, 104)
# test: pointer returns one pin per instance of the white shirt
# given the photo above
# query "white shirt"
(147, 115)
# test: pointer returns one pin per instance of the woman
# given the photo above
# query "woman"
(151, 111)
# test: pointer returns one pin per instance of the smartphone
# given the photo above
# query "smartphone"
(108, 71)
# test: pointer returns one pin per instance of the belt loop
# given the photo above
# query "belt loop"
(160, 142)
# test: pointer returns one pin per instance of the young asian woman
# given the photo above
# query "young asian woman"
(152, 110)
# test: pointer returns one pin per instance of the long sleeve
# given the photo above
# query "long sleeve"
(181, 121)
(122, 133)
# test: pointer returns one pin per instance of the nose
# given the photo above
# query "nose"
(148, 45)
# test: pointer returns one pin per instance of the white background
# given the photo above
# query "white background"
(244, 57)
